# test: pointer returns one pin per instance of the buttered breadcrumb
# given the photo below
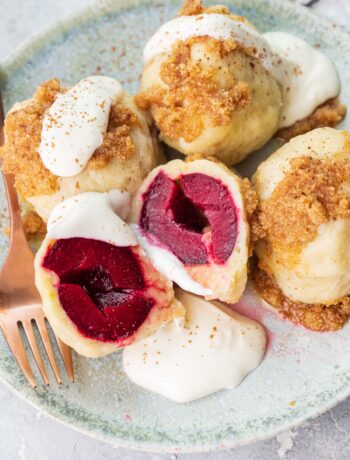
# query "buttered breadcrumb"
(117, 142)
(195, 7)
(191, 8)
(328, 114)
(194, 92)
(33, 225)
(309, 195)
(317, 317)
(23, 127)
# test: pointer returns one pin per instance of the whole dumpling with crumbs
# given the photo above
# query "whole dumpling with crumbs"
(304, 246)
(89, 138)
(217, 87)
(207, 85)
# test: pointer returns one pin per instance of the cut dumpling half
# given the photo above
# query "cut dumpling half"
(99, 290)
(191, 219)
(304, 213)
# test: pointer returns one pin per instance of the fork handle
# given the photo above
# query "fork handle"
(17, 231)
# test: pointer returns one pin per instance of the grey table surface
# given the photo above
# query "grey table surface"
(27, 434)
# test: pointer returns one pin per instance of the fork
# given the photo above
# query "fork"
(20, 302)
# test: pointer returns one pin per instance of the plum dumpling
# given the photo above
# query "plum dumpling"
(88, 138)
(304, 247)
(207, 84)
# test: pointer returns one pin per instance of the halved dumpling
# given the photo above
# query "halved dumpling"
(99, 297)
(192, 221)
(304, 212)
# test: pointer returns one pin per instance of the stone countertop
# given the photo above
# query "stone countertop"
(27, 434)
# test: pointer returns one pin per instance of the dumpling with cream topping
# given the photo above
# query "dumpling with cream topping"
(88, 138)
(217, 87)
(208, 85)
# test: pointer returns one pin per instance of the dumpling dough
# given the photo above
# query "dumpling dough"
(192, 220)
(304, 191)
(211, 96)
(129, 151)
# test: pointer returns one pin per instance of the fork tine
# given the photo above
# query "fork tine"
(13, 337)
(28, 329)
(66, 354)
(40, 321)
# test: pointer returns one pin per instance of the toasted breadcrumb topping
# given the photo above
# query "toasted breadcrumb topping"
(23, 127)
(329, 114)
(193, 92)
(251, 203)
(117, 142)
(195, 7)
(250, 197)
(19, 154)
(33, 224)
(317, 317)
(191, 8)
(310, 194)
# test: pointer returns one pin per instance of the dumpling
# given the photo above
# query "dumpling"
(208, 84)
(91, 137)
(192, 220)
(304, 245)
(100, 292)
(217, 87)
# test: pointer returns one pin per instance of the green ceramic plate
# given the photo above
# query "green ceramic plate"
(303, 374)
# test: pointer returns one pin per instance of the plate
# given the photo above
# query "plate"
(304, 373)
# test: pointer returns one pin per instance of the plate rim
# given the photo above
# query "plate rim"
(9, 65)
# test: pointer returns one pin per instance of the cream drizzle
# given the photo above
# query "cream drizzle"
(308, 77)
(92, 215)
(218, 26)
(74, 126)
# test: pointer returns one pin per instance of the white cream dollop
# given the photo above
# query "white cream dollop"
(169, 265)
(308, 77)
(217, 26)
(73, 127)
(97, 216)
(215, 348)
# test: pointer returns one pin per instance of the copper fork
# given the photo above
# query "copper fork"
(20, 302)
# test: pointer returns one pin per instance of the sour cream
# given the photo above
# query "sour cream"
(307, 76)
(74, 126)
(215, 348)
(97, 216)
(169, 265)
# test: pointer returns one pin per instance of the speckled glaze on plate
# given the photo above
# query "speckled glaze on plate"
(304, 373)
